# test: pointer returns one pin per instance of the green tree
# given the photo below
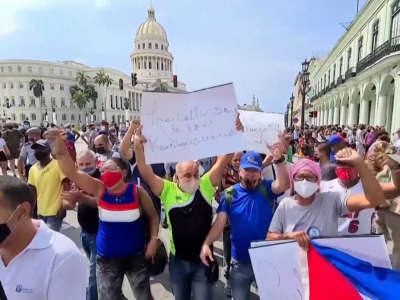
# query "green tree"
(80, 99)
(102, 79)
(37, 86)
(91, 93)
(82, 79)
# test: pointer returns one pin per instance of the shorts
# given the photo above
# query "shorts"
(14, 154)
(3, 156)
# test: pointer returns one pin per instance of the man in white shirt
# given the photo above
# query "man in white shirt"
(348, 183)
(36, 262)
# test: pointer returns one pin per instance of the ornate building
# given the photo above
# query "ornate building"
(359, 81)
(151, 61)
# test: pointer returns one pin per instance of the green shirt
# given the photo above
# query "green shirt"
(172, 196)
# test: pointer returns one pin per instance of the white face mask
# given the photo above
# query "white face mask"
(190, 186)
(305, 188)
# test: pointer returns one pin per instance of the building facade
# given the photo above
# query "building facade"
(359, 81)
(254, 106)
(151, 61)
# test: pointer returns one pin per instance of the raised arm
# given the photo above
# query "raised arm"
(156, 183)
(392, 189)
(125, 147)
(282, 182)
(373, 194)
(87, 183)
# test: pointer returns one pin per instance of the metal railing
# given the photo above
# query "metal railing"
(351, 72)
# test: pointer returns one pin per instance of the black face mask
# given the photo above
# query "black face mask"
(4, 229)
(40, 155)
(100, 150)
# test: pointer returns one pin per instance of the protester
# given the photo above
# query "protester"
(189, 214)
(328, 169)
(48, 180)
(88, 216)
(121, 238)
(13, 140)
(4, 153)
(27, 156)
(249, 207)
(102, 147)
(36, 262)
(312, 213)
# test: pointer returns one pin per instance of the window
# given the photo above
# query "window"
(111, 102)
(4, 85)
(156, 46)
(149, 65)
(113, 119)
(72, 117)
(33, 117)
(162, 47)
(23, 117)
(348, 59)
(21, 85)
(52, 86)
(53, 101)
(30, 69)
(61, 87)
(360, 49)
(63, 102)
(162, 66)
(43, 101)
(40, 69)
(158, 65)
(145, 64)
(32, 102)
(120, 99)
(116, 102)
(2, 69)
(12, 103)
(21, 101)
(341, 66)
(138, 46)
(149, 45)
(395, 29)
(11, 85)
(375, 32)
(19, 69)
(143, 45)
(64, 117)
(13, 117)
(9, 69)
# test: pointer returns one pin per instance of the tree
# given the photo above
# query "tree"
(37, 86)
(161, 86)
(102, 79)
(82, 79)
(91, 94)
(80, 99)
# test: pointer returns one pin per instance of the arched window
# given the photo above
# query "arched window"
(149, 45)
(156, 46)
(33, 117)
(375, 33)
(395, 32)
(64, 117)
(143, 46)
(138, 46)
(158, 65)
(72, 117)
(162, 47)
(162, 66)
(111, 102)
(149, 65)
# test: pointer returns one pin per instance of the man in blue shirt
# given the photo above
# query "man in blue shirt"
(249, 207)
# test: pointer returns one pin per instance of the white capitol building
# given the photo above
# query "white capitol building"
(150, 60)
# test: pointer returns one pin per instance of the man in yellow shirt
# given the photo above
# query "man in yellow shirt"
(49, 182)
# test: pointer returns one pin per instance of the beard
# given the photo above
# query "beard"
(250, 184)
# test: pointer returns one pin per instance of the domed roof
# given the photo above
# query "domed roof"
(151, 30)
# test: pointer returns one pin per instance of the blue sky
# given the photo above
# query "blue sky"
(258, 45)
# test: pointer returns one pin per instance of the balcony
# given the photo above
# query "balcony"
(350, 73)
(383, 50)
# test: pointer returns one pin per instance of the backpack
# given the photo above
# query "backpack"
(230, 192)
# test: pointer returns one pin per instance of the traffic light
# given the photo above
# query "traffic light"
(134, 79)
(311, 114)
(175, 81)
(121, 84)
(315, 114)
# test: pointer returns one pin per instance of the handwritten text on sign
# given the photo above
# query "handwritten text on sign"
(190, 126)
(260, 129)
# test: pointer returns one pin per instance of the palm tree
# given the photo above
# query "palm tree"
(37, 86)
(91, 93)
(80, 99)
(82, 79)
(103, 79)
(161, 86)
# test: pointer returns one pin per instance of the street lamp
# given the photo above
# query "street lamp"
(291, 110)
(304, 80)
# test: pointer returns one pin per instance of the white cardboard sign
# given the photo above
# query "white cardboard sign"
(190, 126)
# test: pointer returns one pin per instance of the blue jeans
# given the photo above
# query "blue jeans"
(188, 278)
(89, 246)
(53, 222)
(241, 277)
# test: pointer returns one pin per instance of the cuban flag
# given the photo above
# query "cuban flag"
(335, 274)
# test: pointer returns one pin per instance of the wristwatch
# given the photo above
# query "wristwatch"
(280, 160)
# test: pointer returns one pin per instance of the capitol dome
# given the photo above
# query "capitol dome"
(151, 29)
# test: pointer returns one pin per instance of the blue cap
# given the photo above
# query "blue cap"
(334, 139)
(251, 160)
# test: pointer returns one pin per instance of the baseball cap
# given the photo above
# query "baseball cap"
(251, 160)
(335, 139)
(41, 144)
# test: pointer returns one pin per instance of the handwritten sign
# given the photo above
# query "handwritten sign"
(260, 129)
(280, 267)
(190, 126)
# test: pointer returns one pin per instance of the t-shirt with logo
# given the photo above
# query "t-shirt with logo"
(249, 215)
(355, 222)
(320, 218)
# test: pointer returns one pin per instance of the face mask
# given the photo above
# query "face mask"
(111, 178)
(39, 155)
(5, 229)
(101, 150)
(346, 173)
(190, 186)
(102, 128)
(305, 188)
(89, 170)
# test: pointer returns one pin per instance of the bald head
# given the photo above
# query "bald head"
(102, 144)
(186, 170)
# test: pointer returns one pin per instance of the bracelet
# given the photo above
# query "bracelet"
(280, 160)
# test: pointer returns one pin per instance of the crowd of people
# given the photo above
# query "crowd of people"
(321, 181)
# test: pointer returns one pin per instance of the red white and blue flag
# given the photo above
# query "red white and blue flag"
(335, 274)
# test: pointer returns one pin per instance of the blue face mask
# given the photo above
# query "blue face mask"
(89, 170)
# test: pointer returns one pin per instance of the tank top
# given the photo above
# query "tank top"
(121, 227)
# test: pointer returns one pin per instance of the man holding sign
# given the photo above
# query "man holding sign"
(187, 203)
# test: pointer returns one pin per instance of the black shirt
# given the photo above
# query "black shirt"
(88, 216)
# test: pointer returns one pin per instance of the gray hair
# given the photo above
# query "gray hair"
(86, 153)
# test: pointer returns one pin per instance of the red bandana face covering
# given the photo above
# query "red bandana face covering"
(111, 178)
(346, 173)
